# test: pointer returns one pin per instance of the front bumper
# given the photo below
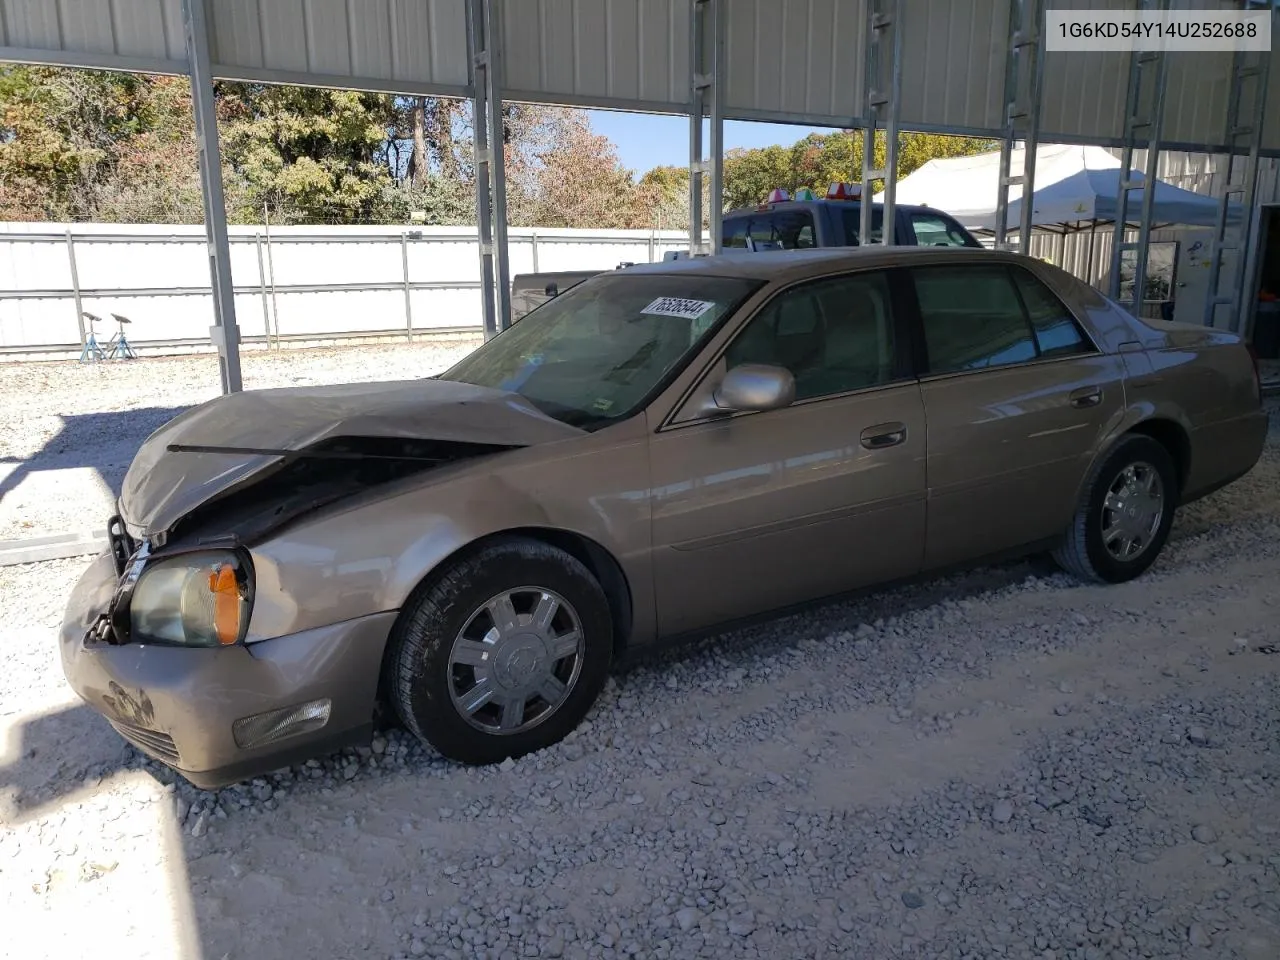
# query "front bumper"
(178, 705)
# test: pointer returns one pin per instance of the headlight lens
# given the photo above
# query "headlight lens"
(194, 600)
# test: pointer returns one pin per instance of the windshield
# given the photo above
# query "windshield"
(596, 352)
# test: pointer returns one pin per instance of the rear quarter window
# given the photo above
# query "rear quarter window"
(1057, 332)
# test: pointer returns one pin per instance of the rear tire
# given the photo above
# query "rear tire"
(1124, 518)
(475, 635)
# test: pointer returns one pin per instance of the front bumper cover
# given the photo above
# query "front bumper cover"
(177, 705)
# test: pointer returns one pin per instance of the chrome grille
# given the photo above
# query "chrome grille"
(153, 743)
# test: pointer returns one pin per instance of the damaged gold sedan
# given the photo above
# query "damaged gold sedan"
(659, 451)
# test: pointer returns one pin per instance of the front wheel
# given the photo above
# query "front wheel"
(1123, 521)
(503, 654)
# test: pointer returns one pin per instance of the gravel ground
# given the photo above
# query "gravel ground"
(1003, 763)
(68, 432)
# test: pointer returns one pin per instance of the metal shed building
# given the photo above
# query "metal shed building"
(968, 67)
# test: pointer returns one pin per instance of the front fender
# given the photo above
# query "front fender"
(368, 559)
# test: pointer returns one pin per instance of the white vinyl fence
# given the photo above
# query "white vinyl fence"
(294, 283)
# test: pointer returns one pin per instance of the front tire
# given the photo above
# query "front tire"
(1125, 516)
(502, 654)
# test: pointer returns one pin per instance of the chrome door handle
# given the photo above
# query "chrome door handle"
(883, 435)
(1086, 397)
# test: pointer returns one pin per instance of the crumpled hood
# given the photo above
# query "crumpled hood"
(162, 486)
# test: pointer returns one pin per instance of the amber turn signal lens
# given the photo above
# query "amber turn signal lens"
(226, 604)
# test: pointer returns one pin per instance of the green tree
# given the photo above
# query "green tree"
(662, 198)
(819, 159)
(307, 154)
(70, 138)
(580, 181)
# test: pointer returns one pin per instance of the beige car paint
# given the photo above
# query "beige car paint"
(1008, 451)
(698, 520)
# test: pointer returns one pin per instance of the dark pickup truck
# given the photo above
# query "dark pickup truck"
(780, 225)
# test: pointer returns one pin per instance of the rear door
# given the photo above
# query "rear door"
(761, 510)
(1017, 399)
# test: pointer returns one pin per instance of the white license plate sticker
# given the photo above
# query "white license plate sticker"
(678, 307)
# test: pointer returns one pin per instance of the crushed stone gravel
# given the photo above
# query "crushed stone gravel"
(68, 431)
(891, 776)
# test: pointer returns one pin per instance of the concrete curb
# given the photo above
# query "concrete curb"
(60, 547)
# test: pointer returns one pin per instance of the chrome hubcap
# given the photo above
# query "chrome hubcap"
(516, 660)
(1132, 511)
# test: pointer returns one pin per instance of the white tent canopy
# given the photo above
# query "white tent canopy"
(1076, 187)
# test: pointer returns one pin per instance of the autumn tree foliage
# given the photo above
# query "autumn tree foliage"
(93, 145)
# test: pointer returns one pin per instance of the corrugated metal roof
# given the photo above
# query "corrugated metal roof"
(794, 56)
(145, 34)
(403, 45)
(789, 60)
(955, 51)
(604, 52)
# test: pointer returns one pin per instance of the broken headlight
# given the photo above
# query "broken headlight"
(193, 600)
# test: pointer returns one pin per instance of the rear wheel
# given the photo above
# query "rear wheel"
(502, 654)
(1124, 519)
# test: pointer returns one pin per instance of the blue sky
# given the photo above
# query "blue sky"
(647, 140)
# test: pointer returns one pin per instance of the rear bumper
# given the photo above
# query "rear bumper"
(179, 705)
(1222, 453)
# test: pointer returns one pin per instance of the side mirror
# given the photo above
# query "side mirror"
(753, 387)
(551, 290)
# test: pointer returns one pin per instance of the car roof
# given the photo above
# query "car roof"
(784, 205)
(787, 265)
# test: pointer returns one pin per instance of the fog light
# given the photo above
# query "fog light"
(275, 725)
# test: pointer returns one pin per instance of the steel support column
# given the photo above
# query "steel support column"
(483, 37)
(1023, 82)
(705, 58)
(224, 333)
(1144, 116)
(75, 287)
(715, 11)
(883, 89)
(1243, 135)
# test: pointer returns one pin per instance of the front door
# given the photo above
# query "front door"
(1017, 399)
(761, 510)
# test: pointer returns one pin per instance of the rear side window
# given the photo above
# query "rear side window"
(934, 231)
(972, 318)
(783, 230)
(852, 216)
(1057, 333)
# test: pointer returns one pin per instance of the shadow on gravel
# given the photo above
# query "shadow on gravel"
(104, 442)
(58, 754)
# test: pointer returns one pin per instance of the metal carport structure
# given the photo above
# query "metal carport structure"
(965, 67)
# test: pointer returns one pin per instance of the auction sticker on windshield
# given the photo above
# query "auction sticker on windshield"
(678, 307)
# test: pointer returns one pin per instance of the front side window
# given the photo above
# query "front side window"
(834, 335)
(783, 230)
(934, 231)
(972, 318)
(596, 352)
